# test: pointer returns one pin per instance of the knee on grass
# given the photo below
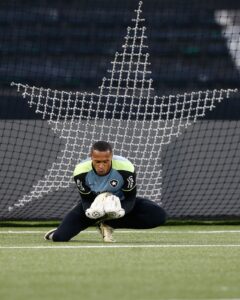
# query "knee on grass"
(157, 218)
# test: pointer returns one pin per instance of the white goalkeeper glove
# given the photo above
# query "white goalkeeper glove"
(96, 210)
(93, 213)
(112, 207)
(105, 204)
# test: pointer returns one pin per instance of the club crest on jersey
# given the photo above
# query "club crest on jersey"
(113, 182)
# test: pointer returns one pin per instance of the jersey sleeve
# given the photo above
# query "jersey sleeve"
(129, 190)
(79, 175)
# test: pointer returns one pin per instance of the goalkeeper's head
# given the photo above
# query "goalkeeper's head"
(101, 156)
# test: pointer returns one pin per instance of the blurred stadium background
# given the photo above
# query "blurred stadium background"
(69, 45)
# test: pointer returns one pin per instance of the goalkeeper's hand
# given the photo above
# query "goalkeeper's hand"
(106, 205)
(96, 210)
(112, 207)
(94, 214)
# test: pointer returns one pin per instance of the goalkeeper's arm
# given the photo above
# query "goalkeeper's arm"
(129, 200)
(129, 190)
(87, 195)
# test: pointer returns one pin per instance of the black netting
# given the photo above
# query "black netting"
(192, 168)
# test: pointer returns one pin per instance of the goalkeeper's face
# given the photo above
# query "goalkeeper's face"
(101, 161)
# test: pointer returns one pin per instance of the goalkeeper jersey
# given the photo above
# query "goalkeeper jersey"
(120, 181)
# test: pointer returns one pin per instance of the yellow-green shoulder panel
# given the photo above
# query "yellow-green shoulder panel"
(83, 167)
(122, 165)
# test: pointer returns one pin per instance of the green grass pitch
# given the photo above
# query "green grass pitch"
(169, 262)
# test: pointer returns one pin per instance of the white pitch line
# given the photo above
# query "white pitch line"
(130, 231)
(121, 246)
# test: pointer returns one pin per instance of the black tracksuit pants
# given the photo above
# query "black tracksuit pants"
(144, 215)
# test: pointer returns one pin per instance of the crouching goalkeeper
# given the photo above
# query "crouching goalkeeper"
(107, 187)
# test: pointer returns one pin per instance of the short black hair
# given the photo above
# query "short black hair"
(101, 146)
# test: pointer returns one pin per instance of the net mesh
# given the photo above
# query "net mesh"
(189, 167)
